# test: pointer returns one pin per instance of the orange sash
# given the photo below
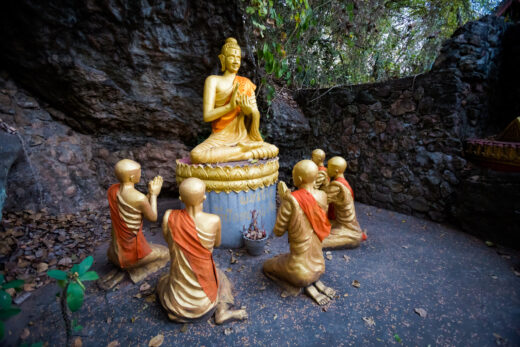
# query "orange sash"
(131, 247)
(245, 87)
(331, 213)
(322, 168)
(314, 213)
(184, 233)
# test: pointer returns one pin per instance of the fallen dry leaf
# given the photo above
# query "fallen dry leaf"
(150, 298)
(77, 342)
(517, 273)
(356, 283)
(275, 317)
(228, 331)
(329, 256)
(42, 267)
(114, 343)
(369, 321)
(345, 295)
(421, 312)
(284, 294)
(156, 341)
(25, 334)
(346, 257)
(184, 328)
(228, 269)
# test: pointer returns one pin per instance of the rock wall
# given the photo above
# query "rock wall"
(404, 139)
(102, 80)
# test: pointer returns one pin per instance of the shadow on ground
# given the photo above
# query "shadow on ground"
(468, 290)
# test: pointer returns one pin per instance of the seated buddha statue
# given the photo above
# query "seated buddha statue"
(194, 288)
(302, 214)
(128, 249)
(345, 231)
(318, 157)
(229, 103)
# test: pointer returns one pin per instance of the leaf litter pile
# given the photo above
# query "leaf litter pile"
(33, 242)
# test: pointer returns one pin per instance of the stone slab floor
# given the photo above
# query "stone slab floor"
(469, 291)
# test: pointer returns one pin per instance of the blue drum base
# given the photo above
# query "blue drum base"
(235, 209)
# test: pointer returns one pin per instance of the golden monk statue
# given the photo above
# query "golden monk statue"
(194, 288)
(128, 249)
(318, 157)
(302, 213)
(345, 231)
(229, 103)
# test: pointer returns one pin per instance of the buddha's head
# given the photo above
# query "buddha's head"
(128, 171)
(318, 156)
(230, 55)
(304, 171)
(336, 166)
(192, 191)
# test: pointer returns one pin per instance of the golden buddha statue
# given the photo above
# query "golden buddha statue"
(128, 249)
(194, 287)
(229, 103)
(318, 157)
(345, 231)
(302, 213)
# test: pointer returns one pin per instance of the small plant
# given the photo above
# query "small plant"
(253, 232)
(6, 309)
(73, 290)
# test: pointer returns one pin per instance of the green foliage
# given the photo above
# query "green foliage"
(322, 43)
(6, 309)
(73, 292)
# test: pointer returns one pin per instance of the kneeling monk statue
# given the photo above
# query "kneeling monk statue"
(302, 213)
(345, 231)
(229, 103)
(318, 157)
(194, 288)
(128, 249)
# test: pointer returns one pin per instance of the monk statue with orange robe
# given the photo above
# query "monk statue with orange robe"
(229, 103)
(318, 157)
(345, 231)
(128, 249)
(303, 214)
(194, 288)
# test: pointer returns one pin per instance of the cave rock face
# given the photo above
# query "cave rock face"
(89, 83)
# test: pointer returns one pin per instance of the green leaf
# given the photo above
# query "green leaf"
(85, 265)
(89, 276)
(74, 268)
(250, 10)
(62, 283)
(75, 326)
(12, 311)
(57, 274)
(14, 284)
(75, 296)
(5, 300)
(2, 279)
(1, 330)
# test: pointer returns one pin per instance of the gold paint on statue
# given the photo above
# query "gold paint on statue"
(318, 157)
(345, 231)
(230, 178)
(130, 208)
(229, 103)
(180, 292)
(304, 264)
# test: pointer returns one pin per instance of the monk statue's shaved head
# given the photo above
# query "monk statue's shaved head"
(125, 169)
(336, 165)
(318, 156)
(304, 171)
(192, 191)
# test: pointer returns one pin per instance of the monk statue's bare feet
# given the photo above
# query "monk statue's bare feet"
(111, 279)
(324, 289)
(223, 314)
(317, 296)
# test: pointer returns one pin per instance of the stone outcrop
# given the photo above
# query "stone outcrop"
(404, 139)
